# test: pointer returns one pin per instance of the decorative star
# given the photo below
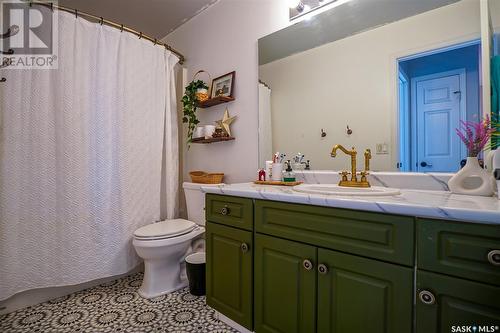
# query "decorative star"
(225, 122)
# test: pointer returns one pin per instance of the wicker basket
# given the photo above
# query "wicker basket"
(202, 177)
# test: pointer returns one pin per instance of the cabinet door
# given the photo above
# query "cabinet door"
(356, 294)
(449, 304)
(285, 286)
(229, 272)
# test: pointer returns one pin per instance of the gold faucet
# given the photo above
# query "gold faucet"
(353, 182)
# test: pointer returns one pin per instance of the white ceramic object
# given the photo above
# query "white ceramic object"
(472, 169)
(199, 132)
(495, 162)
(209, 131)
(277, 171)
(162, 262)
(333, 189)
(164, 245)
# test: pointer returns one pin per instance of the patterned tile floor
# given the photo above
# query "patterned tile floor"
(116, 307)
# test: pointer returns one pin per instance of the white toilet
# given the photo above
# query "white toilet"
(164, 245)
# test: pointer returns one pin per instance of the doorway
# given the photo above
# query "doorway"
(436, 91)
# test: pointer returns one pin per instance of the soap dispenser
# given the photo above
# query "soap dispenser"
(288, 174)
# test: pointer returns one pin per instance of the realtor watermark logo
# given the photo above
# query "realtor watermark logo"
(32, 42)
(475, 328)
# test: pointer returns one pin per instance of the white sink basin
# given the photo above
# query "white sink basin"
(333, 189)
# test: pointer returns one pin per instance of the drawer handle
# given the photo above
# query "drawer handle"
(494, 257)
(244, 247)
(307, 264)
(225, 210)
(322, 269)
(427, 297)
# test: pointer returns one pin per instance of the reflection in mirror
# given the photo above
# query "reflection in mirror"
(494, 11)
(396, 81)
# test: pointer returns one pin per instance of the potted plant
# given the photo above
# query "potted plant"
(475, 136)
(190, 101)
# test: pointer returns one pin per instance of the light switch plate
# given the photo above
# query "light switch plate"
(382, 149)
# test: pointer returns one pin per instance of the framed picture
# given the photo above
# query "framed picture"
(223, 85)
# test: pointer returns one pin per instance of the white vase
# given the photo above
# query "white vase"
(460, 182)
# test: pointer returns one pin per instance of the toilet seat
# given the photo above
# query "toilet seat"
(164, 230)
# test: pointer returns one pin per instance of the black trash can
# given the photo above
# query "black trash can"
(195, 269)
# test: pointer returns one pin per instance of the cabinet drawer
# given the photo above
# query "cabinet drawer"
(379, 236)
(231, 211)
(462, 249)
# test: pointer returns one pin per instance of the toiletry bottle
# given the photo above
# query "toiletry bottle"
(288, 174)
(262, 175)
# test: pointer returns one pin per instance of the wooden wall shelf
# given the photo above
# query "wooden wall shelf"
(211, 140)
(215, 101)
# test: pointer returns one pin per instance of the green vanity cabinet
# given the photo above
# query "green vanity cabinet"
(280, 267)
(229, 272)
(458, 276)
(444, 302)
(466, 250)
(285, 286)
(357, 295)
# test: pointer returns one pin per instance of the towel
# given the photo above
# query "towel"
(495, 87)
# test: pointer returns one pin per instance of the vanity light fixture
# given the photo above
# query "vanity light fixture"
(306, 9)
(298, 5)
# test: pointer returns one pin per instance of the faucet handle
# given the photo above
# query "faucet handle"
(363, 175)
(344, 175)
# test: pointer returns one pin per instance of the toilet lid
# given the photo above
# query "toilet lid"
(165, 229)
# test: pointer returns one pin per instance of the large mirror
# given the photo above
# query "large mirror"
(394, 76)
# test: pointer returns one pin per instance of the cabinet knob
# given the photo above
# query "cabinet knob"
(494, 257)
(307, 264)
(322, 269)
(244, 247)
(427, 297)
(225, 210)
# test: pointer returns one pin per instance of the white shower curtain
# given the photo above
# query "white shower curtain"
(265, 125)
(81, 157)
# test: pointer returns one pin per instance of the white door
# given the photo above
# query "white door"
(439, 107)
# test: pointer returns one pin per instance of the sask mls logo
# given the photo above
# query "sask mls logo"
(474, 329)
(35, 43)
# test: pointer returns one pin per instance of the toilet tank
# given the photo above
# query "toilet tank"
(195, 201)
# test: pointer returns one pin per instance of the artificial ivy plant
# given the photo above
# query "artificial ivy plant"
(190, 101)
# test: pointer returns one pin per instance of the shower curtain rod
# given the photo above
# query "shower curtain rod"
(102, 20)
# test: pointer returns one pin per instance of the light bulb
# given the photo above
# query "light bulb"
(294, 3)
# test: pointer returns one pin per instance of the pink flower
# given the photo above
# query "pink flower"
(475, 135)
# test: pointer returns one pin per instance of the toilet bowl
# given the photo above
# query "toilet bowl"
(164, 245)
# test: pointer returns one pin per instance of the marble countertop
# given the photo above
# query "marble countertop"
(421, 203)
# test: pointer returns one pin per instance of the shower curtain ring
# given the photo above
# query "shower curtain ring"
(101, 21)
(155, 41)
(76, 13)
(52, 6)
(140, 35)
(121, 27)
